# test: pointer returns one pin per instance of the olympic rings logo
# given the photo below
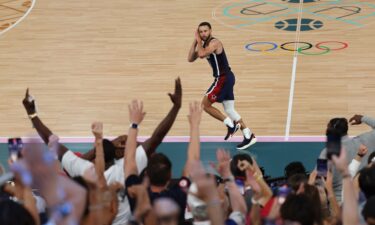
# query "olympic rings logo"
(321, 48)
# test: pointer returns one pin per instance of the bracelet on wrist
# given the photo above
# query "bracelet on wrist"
(344, 176)
(254, 202)
(32, 116)
(258, 178)
(361, 155)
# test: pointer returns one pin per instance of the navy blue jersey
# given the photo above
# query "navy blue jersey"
(218, 62)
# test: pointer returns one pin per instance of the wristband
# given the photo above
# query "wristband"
(134, 126)
(361, 155)
(32, 116)
(258, 178)
(254, 202)
(344, 176)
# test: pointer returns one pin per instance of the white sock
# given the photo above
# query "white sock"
(247, 133)
(228, 122)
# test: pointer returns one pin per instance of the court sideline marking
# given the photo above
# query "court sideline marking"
(20, 20)
(178, 139)
(294, 70)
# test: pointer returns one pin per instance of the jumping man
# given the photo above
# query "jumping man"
(221, 90)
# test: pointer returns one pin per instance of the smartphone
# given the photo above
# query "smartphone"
(15, 146)
(322, 167)
(333, 144)
(241, 185)
(282, 193)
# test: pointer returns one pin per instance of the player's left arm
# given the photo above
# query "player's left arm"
(212, 47)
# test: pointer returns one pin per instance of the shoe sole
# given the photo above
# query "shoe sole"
(238, 126)
(253, 141)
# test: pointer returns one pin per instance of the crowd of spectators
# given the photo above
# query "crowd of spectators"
(123, 182)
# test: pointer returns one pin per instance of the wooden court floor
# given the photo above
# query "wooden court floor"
(85, 60)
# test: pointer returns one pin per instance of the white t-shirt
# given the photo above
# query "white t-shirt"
(76, 166)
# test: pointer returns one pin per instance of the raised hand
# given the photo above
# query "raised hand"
(223, 159)
(29, 103)
(136, 113)
(312, 177)
(244, 165)
(356, 120)
(176, 97)
(328, 182)
(97, 129)
(362, 150)
(206, 185)
(197, 36)
(251, 180)
(195, 113)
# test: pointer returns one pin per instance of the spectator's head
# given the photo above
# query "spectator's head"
(368, 211)
(119, 144)
(234, 162)
(312, 193)
(340, 125)
(13, 213)
(109, 152)
(294, 168)
(297, 208)
(159, 170)
(166, 211)
(367, 181)
(204, 30)
(371, 158)
(296, 180)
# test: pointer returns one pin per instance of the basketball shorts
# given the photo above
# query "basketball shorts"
(222, 88)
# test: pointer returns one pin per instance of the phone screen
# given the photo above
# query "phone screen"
(15, 146)
(321, 167)
(333, 143)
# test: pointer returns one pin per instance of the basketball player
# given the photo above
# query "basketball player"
(221, 90)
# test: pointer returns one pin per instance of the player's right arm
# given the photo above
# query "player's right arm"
(193, 54)
(42, 130)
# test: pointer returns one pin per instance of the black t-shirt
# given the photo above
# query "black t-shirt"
(177, 192)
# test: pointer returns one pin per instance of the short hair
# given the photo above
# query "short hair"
(234, 162)
(370, 157)
(340, 125)
(369, 209)
(296, 180)
(295, 167)
(366, 181)
(159, 169)
(109, 151)
(297, 208)
(205, 24)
